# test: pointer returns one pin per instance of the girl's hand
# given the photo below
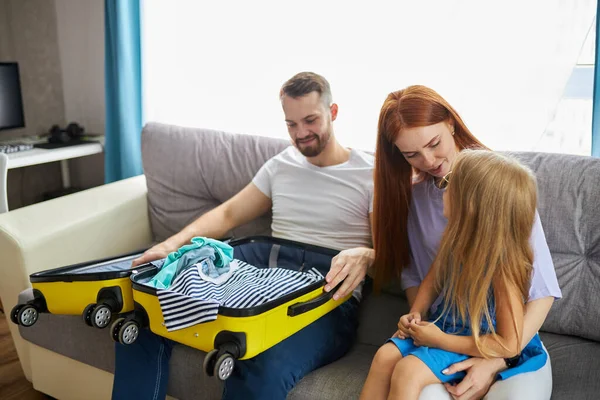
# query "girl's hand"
(426, 334)
(404, 324)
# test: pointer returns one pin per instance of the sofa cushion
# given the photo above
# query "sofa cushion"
(219, 164)
(190, 171)
(342, 379)
(569, 201)
(575, 366)
(378, 317)
(187, 380)
(69, 336)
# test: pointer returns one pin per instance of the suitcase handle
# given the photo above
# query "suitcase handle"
(306, 306)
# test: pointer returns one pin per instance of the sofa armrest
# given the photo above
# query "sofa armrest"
(101, 222)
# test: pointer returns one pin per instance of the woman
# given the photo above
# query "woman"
(419, 136)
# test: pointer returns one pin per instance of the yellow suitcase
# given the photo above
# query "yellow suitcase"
(238, 333)
(97, 290)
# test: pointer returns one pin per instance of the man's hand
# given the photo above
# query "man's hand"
(481, 374)
(425, 334)
(351, 267)
(157, 252)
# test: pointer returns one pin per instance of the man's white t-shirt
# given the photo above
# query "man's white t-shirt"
(324, 206)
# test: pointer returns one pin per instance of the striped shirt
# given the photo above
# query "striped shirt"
(195, 298)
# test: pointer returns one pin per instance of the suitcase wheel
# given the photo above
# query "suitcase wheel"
(128, 332)
(27, 315)
(14, 314)
(224, 366)
(115, 327)
(87, 314)
(209, 362)
(219, 363)
(97, 315)
(101, 316)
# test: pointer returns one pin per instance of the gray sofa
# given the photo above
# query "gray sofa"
(190, 171)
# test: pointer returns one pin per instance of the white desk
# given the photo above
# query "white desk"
(41, 156)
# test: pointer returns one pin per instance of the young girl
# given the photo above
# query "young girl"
(481, 274)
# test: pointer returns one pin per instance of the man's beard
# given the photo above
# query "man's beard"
(315, 149)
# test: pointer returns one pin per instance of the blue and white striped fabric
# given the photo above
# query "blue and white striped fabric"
(194, 298)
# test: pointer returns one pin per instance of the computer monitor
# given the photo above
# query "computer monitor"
(11, 99)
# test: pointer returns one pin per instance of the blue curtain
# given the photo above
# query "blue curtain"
(596, 112)
(123, 77)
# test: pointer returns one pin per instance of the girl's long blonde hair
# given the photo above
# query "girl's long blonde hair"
(492, 205)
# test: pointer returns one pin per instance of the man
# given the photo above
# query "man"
(320, 193)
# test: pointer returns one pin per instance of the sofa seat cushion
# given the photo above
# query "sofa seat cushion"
(69, 336)
(378, 317)
(575, 366)
(342, 379)
(575, 361)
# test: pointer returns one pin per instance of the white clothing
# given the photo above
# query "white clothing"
(324, 206)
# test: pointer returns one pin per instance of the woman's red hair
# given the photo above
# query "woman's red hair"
(412, 107)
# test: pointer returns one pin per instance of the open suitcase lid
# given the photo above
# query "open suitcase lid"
(283, 242)
(96, 270)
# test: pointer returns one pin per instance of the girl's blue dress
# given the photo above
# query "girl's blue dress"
(533, 356)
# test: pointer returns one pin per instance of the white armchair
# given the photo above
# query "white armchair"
(101, 222)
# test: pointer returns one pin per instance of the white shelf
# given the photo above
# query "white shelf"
(41, 156)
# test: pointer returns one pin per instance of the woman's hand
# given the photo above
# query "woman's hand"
(404, 324)
(481, 374)
(426, 334)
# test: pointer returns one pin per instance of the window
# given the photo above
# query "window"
(570, 131)
(503, 66)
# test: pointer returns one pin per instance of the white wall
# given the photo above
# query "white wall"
(28, 36)
(80, 26)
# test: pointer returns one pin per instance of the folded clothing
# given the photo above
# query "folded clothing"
(194, 297)
(220, 255)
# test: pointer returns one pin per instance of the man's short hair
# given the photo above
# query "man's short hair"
(304, 83)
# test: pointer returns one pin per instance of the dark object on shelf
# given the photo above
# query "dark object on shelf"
(59, 137)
